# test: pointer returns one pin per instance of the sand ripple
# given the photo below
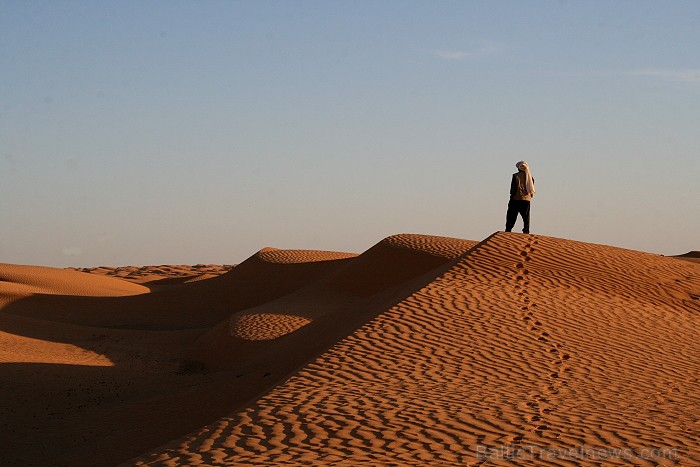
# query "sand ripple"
(556, 350)
(265, 326)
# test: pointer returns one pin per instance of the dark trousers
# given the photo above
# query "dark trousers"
(515, 207)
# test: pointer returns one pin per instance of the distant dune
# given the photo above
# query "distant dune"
(21, 281)
(693, 256)
(158, 277)
(423, 350)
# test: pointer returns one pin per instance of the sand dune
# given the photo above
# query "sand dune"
(198, 304)
(421, 351)
(19, 281)
(692, 256)
(162, 276)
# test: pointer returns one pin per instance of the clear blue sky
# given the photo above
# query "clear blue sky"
(150, 132)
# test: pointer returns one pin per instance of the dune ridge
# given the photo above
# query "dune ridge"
(422, 350)
(527, 342)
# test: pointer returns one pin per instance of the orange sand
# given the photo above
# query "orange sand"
(159, 277)
(423, 350)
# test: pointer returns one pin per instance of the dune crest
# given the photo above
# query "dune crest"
(276, 255)
(445, 247)
(395, 260)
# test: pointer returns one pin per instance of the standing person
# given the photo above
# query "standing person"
(522, 189)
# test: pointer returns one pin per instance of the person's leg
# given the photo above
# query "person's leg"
(511, 215)
(525, 212)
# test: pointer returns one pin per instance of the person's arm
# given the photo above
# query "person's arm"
(513, 186)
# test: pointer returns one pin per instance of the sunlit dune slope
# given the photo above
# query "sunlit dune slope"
(19, 281)
(547, 344)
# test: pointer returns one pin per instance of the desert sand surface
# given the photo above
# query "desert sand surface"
(162, 276)
(519, 349)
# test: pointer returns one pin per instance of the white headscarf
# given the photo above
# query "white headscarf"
(529, 182)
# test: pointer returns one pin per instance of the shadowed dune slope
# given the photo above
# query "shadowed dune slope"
(83, 378)
(552, 345)
(268, 274)
(113, 383)
(395, 260)
(692, 256)
(330, 308)
(20, 281)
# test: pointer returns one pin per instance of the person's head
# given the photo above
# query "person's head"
(522, 166)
